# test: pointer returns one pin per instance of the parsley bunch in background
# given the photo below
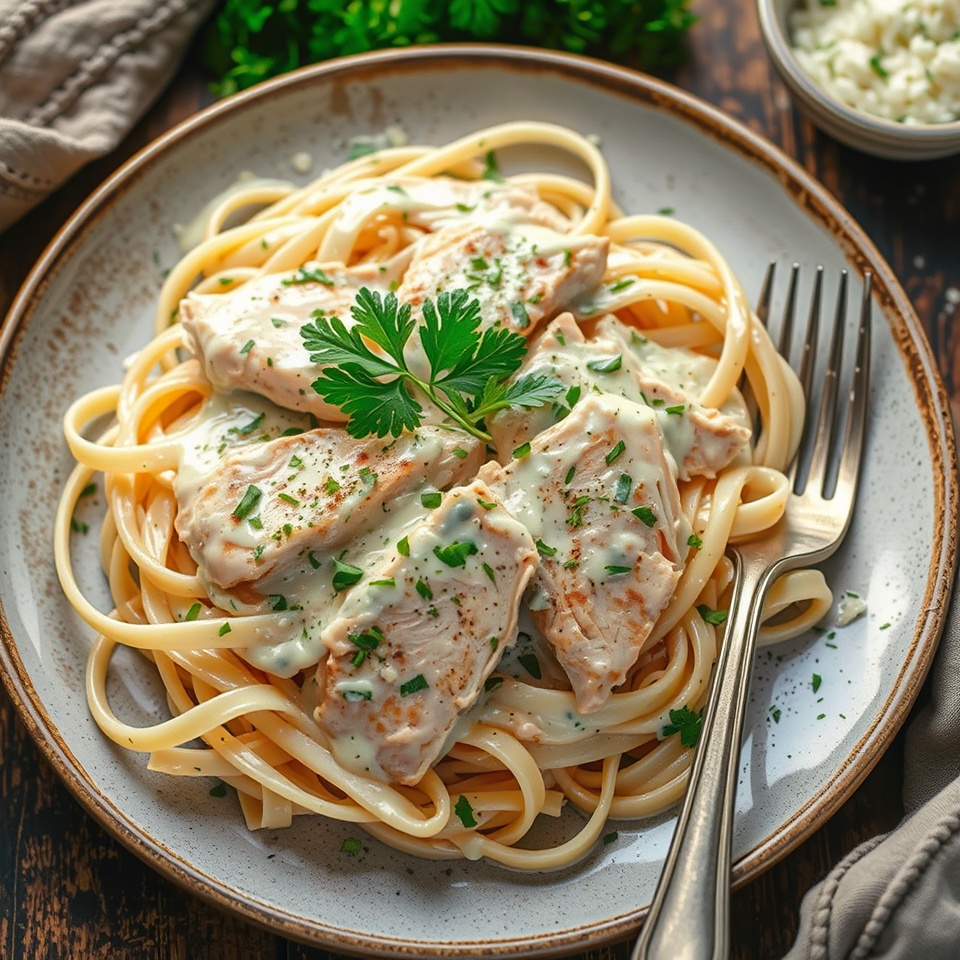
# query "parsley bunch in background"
(249, 41)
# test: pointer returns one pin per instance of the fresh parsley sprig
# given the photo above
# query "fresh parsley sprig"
(248, 40)
(468, 367)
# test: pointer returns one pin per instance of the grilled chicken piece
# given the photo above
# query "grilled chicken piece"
(618, 361)
(413, 643)
(521, 273)
(670, 379)
(600, 498)
(249, 338)
(286, 502)
(433, 203)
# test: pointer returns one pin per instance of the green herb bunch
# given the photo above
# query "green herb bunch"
(249, 41)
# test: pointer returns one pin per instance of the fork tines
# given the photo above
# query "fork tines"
(814, 462)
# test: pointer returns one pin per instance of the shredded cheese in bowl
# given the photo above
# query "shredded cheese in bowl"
(894, 59)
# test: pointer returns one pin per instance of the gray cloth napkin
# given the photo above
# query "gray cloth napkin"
(897, 897)
(75, 75)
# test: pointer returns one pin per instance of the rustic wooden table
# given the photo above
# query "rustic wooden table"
(68, 890)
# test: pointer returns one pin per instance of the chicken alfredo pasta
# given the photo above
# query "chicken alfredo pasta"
(418, 500)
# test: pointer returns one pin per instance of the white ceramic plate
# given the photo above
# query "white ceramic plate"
(89, 304)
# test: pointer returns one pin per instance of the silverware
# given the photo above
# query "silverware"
(689, 917)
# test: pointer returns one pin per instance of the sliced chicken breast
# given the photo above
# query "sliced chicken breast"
(294, 500)
(617, 361)
(670, 380)
(600, 499)
(249, 338)
(414, 641)
(432, 203)
(521, 273)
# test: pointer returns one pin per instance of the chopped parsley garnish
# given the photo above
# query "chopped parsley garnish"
(676, 409)
(247, 347)
(89, 490)
(403, 547)
(488, 570)
(624, 486)
(573, 395)
(224, 630)
(460, 453)
(455, 554)
(468, 373)
(816, 681)
(330, 485)
(419, 682)
(278, 322)
(277, 601)
(545, 550)
(615, 569)
(576, 514)
(247, 503)
(522, 451)
(716, 617)
(687, 723)
(286, 498)
(615, 452)
(308, 275)
(368, 641)
(622, 284)
(607, 365)
(384, 582)
(486, 504)
(351, 846)
(645, 515)
(248, 428)
(877, 67)
(423, 588)
(520, 316)
(345, 575)
(491, 170)
(193, 612)
(491, 683)
(570, 475)
(464, 811)
(611, 837)
(431, 500)
(694, 541)
(531, 664)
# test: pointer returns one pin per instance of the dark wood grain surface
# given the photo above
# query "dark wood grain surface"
(68, 890)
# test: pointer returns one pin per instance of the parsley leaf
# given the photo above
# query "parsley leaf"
(685, 722)
(468, 366)
(464, 811)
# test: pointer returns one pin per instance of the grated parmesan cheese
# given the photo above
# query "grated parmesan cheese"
(895, 59)
(850, 607)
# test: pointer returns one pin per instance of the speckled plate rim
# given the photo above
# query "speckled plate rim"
(811, 198)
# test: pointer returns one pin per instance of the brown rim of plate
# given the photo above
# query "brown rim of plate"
(811, 197)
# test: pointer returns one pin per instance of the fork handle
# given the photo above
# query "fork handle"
(689, 917)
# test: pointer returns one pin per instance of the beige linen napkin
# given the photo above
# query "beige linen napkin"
(75, 75)
(897, 897)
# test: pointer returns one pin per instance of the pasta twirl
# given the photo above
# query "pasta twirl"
(444, 632)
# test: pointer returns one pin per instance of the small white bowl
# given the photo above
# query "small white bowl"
(882, 138)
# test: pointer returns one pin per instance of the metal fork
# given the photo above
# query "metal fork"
(689, 917)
